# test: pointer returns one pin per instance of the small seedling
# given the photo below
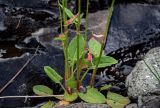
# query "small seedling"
(80, 55)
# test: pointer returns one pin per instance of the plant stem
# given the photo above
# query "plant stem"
(78, 34)
(85, 39)
(61, 18)
(86, 29)
(152, 71)
(156, 72)
(84, 75)
(62, 87)
(103, 42)
(64, 4)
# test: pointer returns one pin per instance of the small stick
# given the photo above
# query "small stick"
(11, 97)
(18, 23)
(15, 76)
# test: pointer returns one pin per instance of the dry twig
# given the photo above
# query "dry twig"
(18, 23)
(11, 97)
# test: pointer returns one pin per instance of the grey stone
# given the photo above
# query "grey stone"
(141, 80)
(97, 21)
(149, 101)
(126, 70)
(85, 105)
(133, 105)
(77, 105)
(132, 24)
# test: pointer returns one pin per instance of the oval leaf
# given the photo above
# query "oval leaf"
(116, 100)
(42, 90)
(104, 62)
(72, 49)
(52, 74)
(49, 104)
(92, 96)
(70, 97)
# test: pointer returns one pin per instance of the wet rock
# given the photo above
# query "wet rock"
(19, 24)
(141, 80)
(32, 75)
(28, 4)
(97, 21)
(133, 105)
(125, 70)
(132, 24)
(152, 1)
(2, 17)
(149, 101)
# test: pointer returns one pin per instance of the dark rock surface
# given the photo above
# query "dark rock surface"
(28, 4)
(133, 105)
(18, 24)
(2, 17)
(133, 24)
(150, 102)
(33, 74)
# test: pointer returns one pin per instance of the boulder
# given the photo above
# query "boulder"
(141, 81)
(132, 24)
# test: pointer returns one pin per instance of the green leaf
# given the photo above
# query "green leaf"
(69, 13)
(116, 100)
(92, 96)
(42, 90)
(71, 82)
(94, 47)
(52, 74)
(105, 87)
(70, 97)
(105, 61)
(72, 49)
(48, 104)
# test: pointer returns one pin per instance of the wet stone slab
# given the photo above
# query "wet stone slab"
(33, 74)
(133, 24)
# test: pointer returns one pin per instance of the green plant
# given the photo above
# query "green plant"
(79, 57)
